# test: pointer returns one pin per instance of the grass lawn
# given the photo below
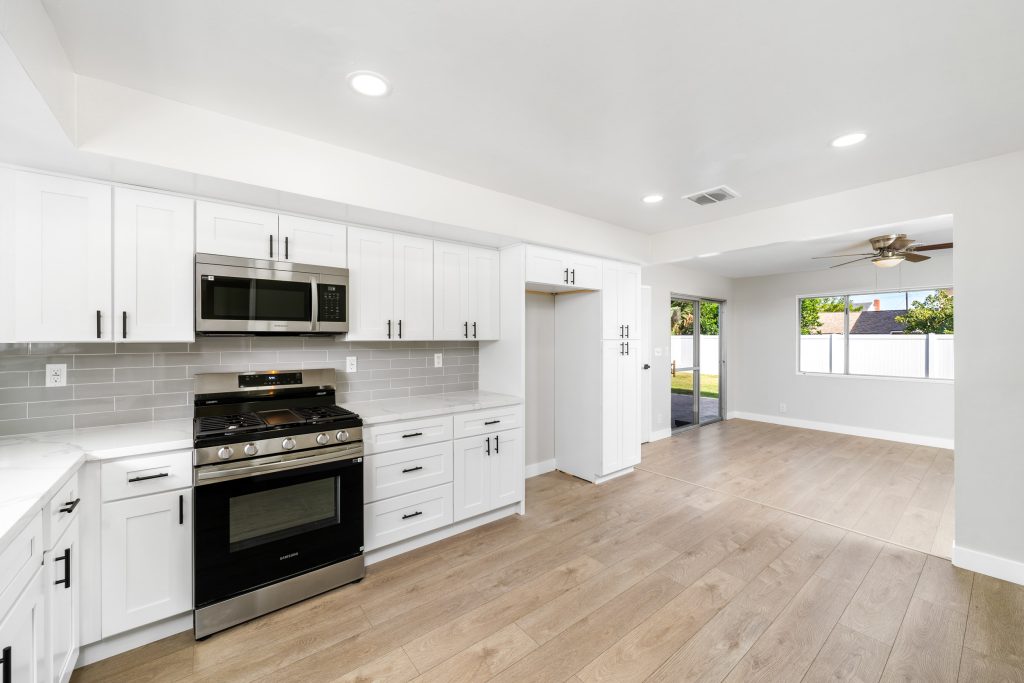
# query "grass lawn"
(682, 383)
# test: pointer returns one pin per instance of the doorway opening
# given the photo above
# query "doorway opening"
(697, 363)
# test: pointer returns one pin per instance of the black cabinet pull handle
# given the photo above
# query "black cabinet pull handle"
(149, 476)
(488, 451)
(497, 444)
(627, 331)
(412, 469)
(124, 324)
(389, 329)
(181, 509)
(409, 436)
(491, 422)
(399, 329)
(5, 660)
(99, 330)
(621, 331)
(271, 245)
(622, 346)
(66, 557)
(465, 330)
(70, 506)
(286, 248)
(415, 514)
(627, 348)
(566, 276)
(474, 330)
(573, 276)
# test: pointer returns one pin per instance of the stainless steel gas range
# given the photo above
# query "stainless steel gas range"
(278, 493)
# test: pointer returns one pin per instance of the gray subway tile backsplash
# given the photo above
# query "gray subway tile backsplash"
(122, 383)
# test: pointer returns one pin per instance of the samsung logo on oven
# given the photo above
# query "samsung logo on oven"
(289, 555)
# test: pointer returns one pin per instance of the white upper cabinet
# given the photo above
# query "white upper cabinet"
(153, 266)
(304, 240)
(562, 269)
(414, 289)
(236, 231)
(466, 299)
(60, 231)
(371, 264)
(620, 300)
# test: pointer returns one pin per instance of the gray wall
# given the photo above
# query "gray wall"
(122, 383)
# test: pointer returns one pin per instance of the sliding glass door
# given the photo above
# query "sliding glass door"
(696, 361)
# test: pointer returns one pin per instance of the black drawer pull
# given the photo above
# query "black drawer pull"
(5, 671)
(99, 335)
(415, 514)
(70, 506)
(181, 509)
(409, 436)
(492, 422)
(488, 451)
(66, 557)
(465, 330)
(124, 324)
(412, 469)
(149, 476)
(496, 444)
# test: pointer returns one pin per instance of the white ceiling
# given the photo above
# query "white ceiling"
(797, 257)
(588, 106)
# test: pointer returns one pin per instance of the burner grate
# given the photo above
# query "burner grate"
(225, 424)
(321, 413)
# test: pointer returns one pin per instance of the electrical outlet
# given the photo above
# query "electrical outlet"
(782, 407)
(350, 364)
(438, 360)
(56, 375)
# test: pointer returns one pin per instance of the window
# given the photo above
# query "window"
(885, 334)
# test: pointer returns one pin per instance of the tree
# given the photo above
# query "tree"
(708, 318)
(810, 322)
(934, 315)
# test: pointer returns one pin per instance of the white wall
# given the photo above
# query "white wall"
(665, 280)
(764, 358)
(540, 378)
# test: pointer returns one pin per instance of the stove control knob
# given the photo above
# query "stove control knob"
(225, 452)
(322, 439)
(342, 435)
(251, 449)
(288, 444)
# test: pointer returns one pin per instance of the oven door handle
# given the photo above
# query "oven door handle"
(213, 476)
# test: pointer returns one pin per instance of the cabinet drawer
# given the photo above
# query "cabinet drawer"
(18, 562)
(61, 509)
(406, 470)
(486, 421)
(146, 474)
(396, 519)
(394, 435)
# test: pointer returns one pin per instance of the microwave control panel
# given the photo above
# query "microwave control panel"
(331, 303)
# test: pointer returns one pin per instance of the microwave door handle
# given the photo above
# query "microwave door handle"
(314, 323)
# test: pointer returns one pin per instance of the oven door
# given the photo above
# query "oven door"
(253, 300)
(260, 524)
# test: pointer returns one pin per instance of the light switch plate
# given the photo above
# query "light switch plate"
(350, 364)
(56, 375)
(438, 360)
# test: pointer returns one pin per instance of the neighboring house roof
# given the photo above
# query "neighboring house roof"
(862, 322)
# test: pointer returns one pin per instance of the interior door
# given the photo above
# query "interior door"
(61, 235)
(414, 288)
(371, 263)
(645, 366)
(483, 293)
(451, 291)
(305, 240)
(236, 231)
(154, 243)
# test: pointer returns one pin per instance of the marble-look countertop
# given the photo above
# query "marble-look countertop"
(394, 409)
(34, 466)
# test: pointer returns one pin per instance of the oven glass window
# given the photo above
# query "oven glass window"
(268, 516)
(233, 298)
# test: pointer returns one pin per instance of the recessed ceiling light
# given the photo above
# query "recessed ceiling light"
(714, 253)
(849, 139)
(368, 83)
(653, 199)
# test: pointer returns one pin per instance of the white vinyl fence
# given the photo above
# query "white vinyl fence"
(894, 355)
(682, 352)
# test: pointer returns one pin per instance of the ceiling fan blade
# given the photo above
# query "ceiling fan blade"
(912, 257)
(932, 247)
(842, 255)
(853, 261)
(901, 243)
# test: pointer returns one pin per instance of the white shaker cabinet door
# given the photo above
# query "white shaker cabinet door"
(154, 246)
(547, 266)
(61, 259)
(507, 461)
(414, 289)
(472, 475)
(239, 231)
(451, 291)
(371, 264)
(484, 301)
(23, 635)
(147, 559)
(63, 614)
(305, 240)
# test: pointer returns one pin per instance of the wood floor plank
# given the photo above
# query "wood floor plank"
(978, 668)
(928, 646)
(483, 660)
(945, 585)
(394, 667)
(996, 621)
(881, 601)
(848, 656)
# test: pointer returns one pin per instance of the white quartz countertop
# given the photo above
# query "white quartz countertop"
(34, 466)
(395, 409)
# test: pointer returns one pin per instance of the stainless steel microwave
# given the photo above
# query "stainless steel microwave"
(254, 296)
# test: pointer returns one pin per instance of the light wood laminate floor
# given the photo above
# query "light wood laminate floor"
(643, 578)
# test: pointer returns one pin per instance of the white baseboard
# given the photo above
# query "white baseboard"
(904, 437)
(989, 565)
(130, 640)
(659, 434)
(537, 468)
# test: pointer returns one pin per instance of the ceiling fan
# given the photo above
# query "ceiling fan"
(892, 250)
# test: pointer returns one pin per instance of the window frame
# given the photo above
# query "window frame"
(846, 333)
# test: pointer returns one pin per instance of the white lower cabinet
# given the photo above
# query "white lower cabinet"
(63, 613)
(488, 472)
(147, 560)
(396, 519)
(23, 635)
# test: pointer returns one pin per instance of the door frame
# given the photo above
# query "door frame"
(699, 421)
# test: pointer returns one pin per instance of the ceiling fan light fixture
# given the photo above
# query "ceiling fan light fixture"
(887, 261)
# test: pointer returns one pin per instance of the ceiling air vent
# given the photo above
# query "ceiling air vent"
(715, 195)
